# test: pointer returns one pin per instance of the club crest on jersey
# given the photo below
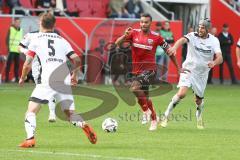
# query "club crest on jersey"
(150, 41)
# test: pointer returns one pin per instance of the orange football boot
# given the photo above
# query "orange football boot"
(28, 143)
(90, 133)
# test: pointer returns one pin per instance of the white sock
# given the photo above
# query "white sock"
(77, 120)
(172, 105)
(30, 124)
(78, 123)
(199, 110)
(51, 106)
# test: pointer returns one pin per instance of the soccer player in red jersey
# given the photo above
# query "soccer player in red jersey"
(144, 44)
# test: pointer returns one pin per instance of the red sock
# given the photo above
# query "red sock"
(151, 107)
(142, 101)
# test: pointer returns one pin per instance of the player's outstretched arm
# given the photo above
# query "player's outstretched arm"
(238, 55)
(172, 50)
(174, 60)
(123, 37)
(179, 43)
(26, 69)
(218, 60)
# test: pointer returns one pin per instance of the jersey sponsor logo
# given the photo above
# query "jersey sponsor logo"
(202, 50)
(155, 33)
(209, 47)
(150, 41)
(142, 46)
(138, 30)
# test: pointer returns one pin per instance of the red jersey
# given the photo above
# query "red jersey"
(143, 50)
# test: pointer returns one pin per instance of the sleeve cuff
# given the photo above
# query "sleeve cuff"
(22, 45)
(31, 53)
(69, 54)
(186, 38)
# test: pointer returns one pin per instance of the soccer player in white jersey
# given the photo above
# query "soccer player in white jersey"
(202, 47)
(53, 52)
(238, 53)
(23, 48)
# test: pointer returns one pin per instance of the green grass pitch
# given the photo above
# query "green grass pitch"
(181, 140)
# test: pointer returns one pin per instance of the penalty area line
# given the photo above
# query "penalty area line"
(75, 154)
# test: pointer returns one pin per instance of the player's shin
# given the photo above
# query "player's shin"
(199, 113)
(154, 121)
(77, 121)
(153, 112)
(142, 101)
(30, 124)
(199, 110)
(52, 115)
(175, 100)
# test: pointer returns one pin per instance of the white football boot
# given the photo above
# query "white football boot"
(200, 124)
(52, 118)
(154, 124)
(164, 121)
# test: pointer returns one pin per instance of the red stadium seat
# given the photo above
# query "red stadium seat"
(88, 8)
(84, 8)
(71, 5)
(99, 8)
(27, 3)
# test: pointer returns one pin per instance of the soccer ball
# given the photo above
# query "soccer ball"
(110, 125)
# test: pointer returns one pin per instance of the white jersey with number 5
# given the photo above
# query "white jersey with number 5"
(200, 52)
(52, 51)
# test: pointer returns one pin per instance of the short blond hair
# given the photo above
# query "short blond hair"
(47, 20)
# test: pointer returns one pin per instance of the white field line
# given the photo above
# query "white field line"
(74, 154)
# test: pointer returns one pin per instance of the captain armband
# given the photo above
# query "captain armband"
(165, 46)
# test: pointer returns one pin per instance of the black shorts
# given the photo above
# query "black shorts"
(146, 78)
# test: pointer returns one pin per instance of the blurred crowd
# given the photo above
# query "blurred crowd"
(124, 9)
(234, 4)
(78, 8)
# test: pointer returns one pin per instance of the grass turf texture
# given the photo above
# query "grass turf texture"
(180, 140)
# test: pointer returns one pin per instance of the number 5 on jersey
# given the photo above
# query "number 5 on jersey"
(50, 46)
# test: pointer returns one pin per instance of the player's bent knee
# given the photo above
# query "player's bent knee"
(134, 88)
(181, 95)
(68, 112)
(33, 107)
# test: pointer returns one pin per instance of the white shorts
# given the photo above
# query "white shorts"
(198, 83)
(42, 94)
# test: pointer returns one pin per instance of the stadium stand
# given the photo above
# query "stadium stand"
(235, 4)
(71, 7)
(91, 8)
(27, 3)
